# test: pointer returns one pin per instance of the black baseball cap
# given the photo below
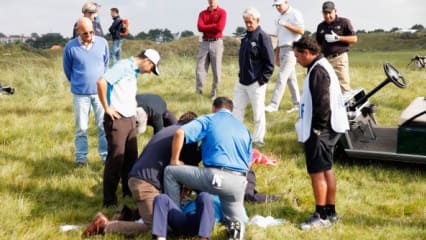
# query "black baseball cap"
(328, 6)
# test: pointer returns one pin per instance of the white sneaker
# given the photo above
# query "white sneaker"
(271, 108)
(293, 109)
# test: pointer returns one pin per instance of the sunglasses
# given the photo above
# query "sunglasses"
(87, 33)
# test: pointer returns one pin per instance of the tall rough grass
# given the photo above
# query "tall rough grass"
(40, 188)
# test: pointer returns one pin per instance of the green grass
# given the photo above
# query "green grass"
(40, 188)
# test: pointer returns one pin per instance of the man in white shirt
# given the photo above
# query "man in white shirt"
(290, 27)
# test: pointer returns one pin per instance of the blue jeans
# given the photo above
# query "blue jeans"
(82, 107)
(116, 50)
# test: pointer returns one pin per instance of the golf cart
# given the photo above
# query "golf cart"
(367, 140)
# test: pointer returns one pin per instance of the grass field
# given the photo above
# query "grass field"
(40, 188)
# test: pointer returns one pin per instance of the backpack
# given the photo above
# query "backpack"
(124, 28)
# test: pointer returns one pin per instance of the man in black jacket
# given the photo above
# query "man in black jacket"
(156, 112)
(256, 61)
(115, 29)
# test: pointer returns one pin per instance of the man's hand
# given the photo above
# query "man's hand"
(333, 37)
(112, 113)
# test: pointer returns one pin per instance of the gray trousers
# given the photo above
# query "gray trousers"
(209, 53)
(229, 187)
(286, 76)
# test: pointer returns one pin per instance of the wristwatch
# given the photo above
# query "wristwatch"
(316, 131)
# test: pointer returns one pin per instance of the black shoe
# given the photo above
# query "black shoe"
(234, 230)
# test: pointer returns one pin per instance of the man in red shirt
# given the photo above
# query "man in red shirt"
(211, 22)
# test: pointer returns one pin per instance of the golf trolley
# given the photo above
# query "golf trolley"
(367, 140)
(6, 90)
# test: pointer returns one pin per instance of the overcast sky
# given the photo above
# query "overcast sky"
(44, 16)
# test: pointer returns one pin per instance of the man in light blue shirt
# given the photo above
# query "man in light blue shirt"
(85, 60)
(226, 148)
(117, 93)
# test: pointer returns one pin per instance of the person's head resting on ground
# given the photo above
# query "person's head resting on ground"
(89, 10)
(187, 117)
(328, 11)
(222, 103)
(147, 61)
(251, 17)
(85, 29)
(306, 49)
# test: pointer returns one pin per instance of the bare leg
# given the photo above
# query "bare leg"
(319, 186)
(331, 187)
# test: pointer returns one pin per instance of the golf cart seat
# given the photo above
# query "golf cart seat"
(412, 128)
(415, 113)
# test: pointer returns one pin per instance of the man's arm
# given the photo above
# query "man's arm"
(67, 64)
(294, 28)
(349, 39)
(177, 145)
(268, 58)
(102, 89)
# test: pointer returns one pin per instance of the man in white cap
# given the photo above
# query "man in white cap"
(117, 93)
(290, 27)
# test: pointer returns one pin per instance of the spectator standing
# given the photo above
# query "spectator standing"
(226, 155)
(335, 34)
(322, 119)
(117, 93)
(158, 116)
(90, 10)
(290, 27)
(85, 60)
(146, 180)
(211, 22)
(115, 30)
(256, 60)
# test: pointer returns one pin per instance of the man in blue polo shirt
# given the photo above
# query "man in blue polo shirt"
(117, 93)
(226, 155)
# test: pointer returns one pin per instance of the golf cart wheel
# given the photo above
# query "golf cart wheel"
(393, 75)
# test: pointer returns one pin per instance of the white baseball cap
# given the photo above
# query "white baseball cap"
(154, 56)
(278, 2)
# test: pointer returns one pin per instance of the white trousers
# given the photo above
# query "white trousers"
(255, 94)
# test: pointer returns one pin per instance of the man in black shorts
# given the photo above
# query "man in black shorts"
(322, 118)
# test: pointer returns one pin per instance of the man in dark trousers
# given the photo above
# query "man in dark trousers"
(146, 180)
(322, 119)
(157, 114)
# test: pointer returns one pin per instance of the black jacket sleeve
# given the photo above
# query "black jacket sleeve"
(319, 85)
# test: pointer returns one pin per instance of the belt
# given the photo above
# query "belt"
(211, 39)
(244, 174)
(334, 55)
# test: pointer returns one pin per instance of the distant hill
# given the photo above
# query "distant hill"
(385, 41)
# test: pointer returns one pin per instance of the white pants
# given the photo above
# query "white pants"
(254, 94)
(286, 76)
